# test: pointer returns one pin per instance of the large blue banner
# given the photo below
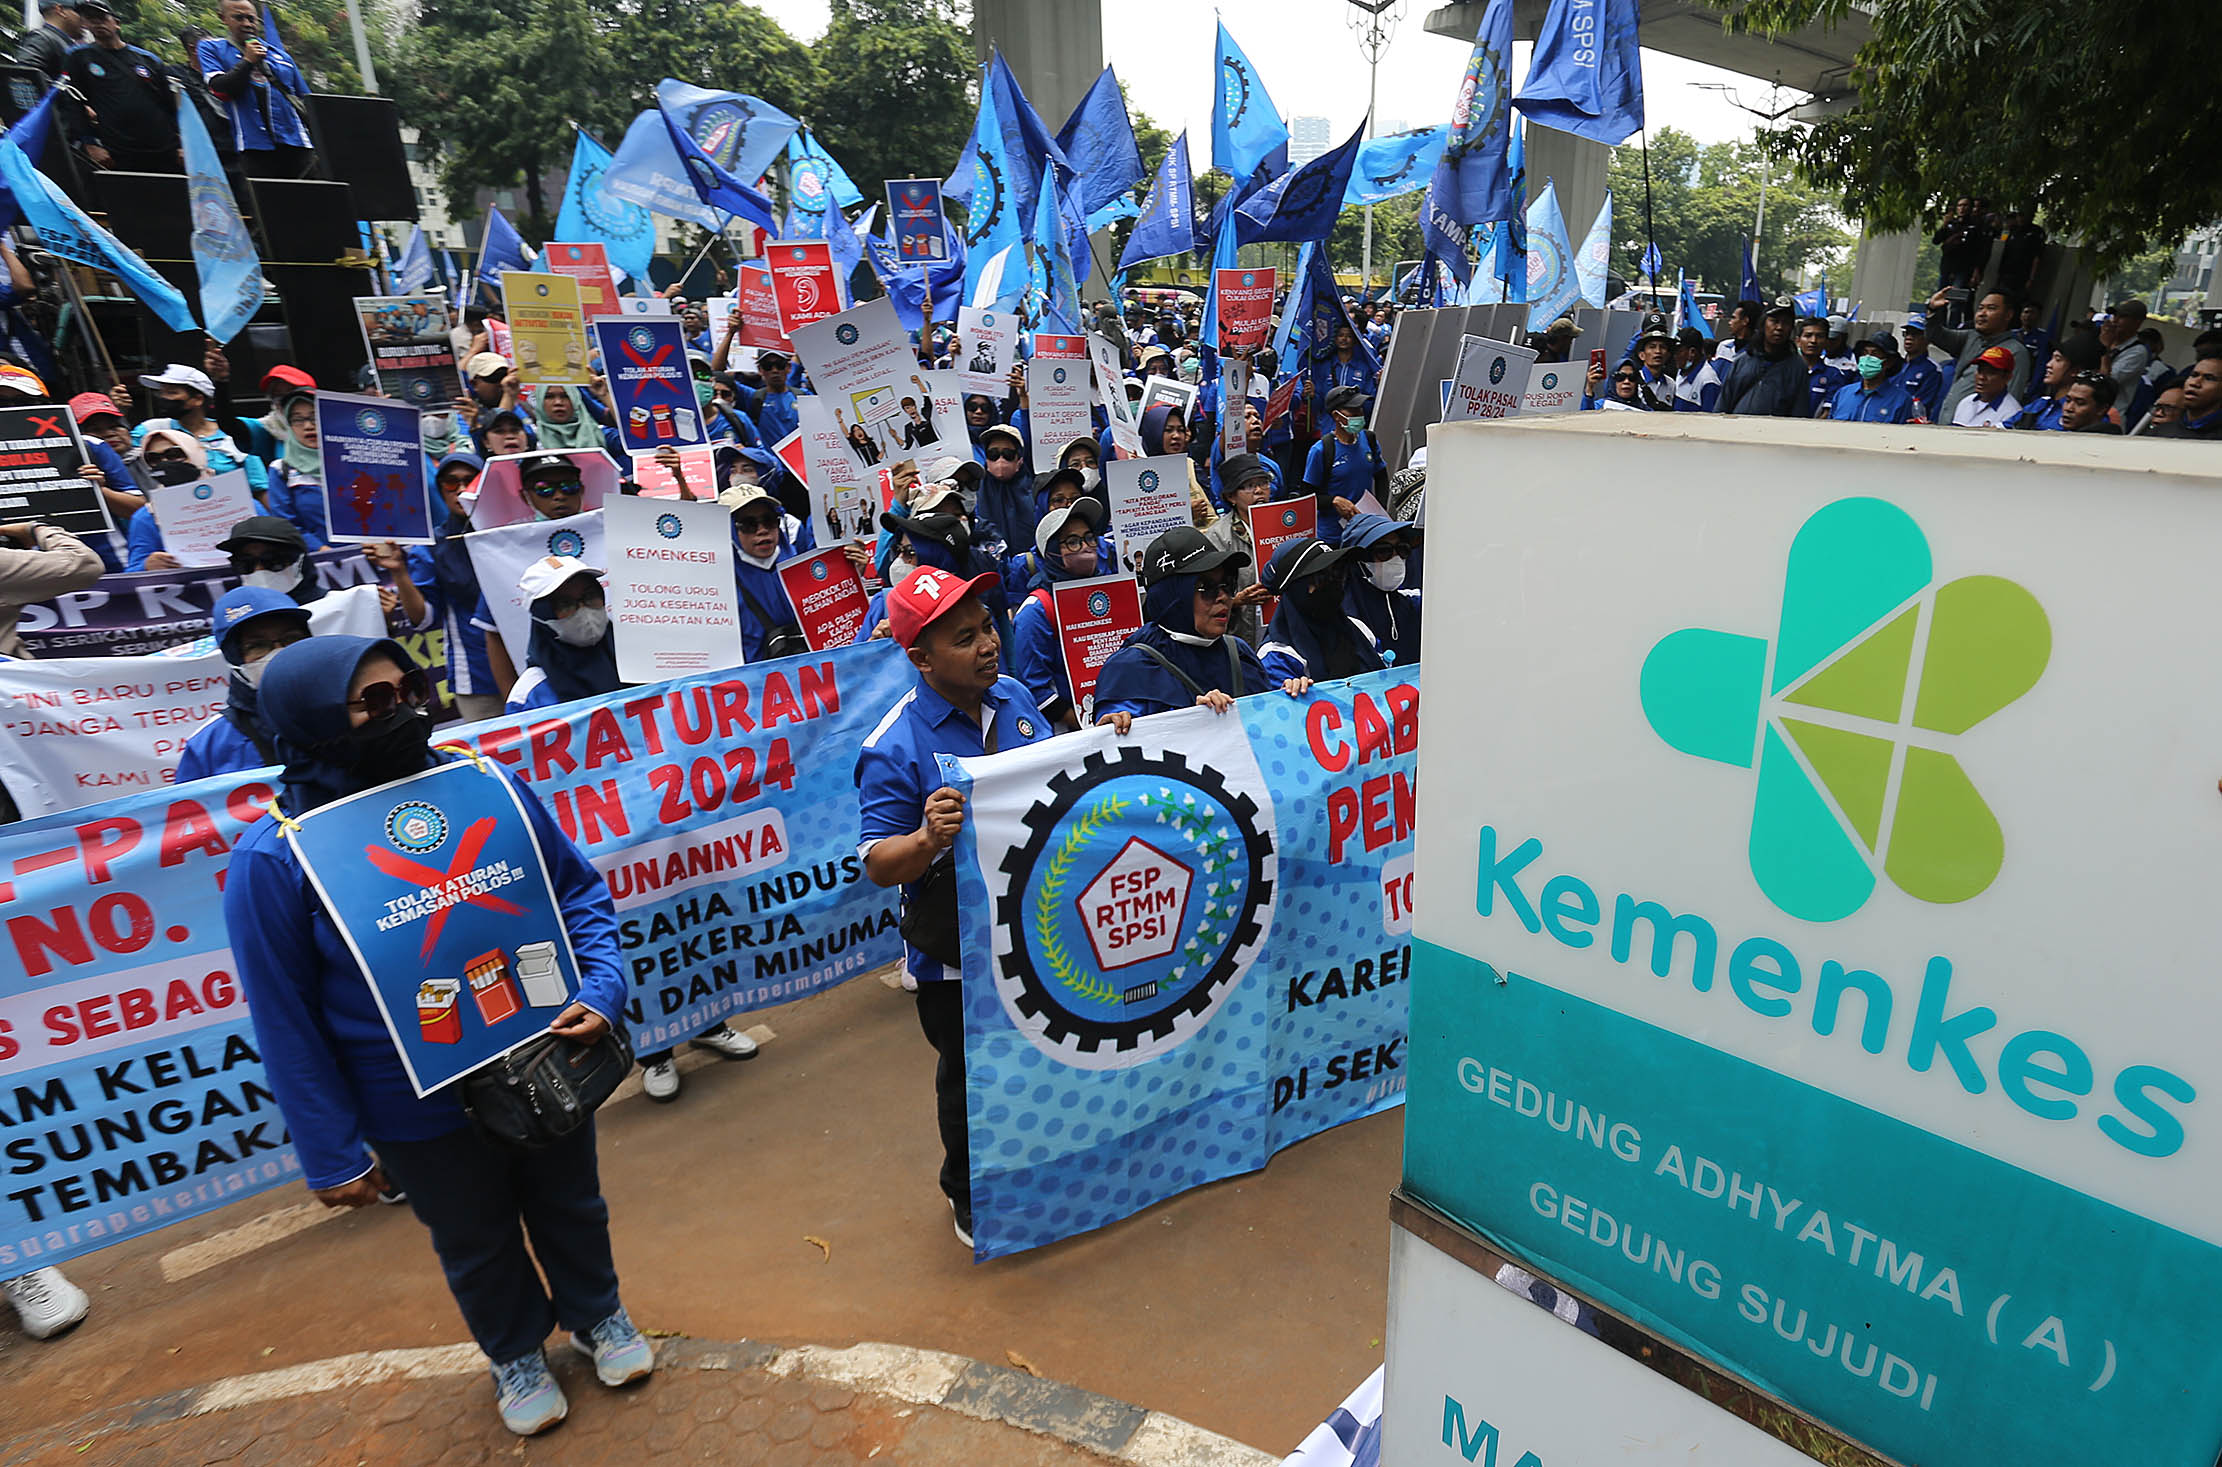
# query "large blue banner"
(1183, 949)
(718, 808)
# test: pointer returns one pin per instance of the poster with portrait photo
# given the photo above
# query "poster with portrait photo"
(1182, 395)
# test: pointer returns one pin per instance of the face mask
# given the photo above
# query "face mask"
(1355, 423)
(251, 673)
(388, 748)
(1386, 575)
(1320, 598)
(180, 471)
(436, 427)
(704, 391)
(582, 628)
(274, 580)
(1870, 368)
(900, 568)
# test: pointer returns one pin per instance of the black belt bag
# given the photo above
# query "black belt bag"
(545, 1089)
(930, 918)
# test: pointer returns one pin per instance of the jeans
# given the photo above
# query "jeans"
(472, 1193)
(941, 1016)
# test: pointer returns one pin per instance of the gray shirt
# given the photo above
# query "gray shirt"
(1965, 347)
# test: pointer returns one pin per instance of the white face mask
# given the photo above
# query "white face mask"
(1386, 575)
(899, 569)
(436, 427)
(275, 580)
(582, 628)
(251, 673)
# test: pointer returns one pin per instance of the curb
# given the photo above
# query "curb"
(1111, 1429)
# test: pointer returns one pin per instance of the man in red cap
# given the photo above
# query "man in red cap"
(963, 704)
(1990, 405)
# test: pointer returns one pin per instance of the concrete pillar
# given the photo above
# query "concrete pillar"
(1882, 271)
(1578, 167)
(1054, 48)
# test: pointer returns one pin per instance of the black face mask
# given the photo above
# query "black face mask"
(1320, 597)
(173, 471)
(387, 748)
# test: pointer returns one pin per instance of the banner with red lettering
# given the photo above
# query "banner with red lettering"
(719, 809)
(1245, 308)
(828, 595)
(759, 312)
(804, 285)
(1094, 619)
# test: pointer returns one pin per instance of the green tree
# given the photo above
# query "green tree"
(723, 44)
(315, 31)
(1703, 203)
(2043, 103)
(897, 89)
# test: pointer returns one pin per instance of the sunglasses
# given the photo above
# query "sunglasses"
(556, 488)
(275, 558)
(756, 524)
(172, 457)
(1002, 455)
(1217, 587)
(564, 606)
(1384, 552)
(379, 699)
(1626, 377)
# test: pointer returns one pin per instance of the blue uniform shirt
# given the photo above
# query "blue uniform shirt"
(1132, 683)
(1890, 402)
(262, 119)
(1925, 381)
(896, 769)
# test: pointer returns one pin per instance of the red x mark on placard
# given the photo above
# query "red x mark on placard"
(466, 856)
(47, 426)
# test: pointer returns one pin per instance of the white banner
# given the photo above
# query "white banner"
(1058, 387)
(673, 605)
(1148, 497)
(1553, 387)
(1491, 380)
(195, 517)
(500, 556)
(1126, 419)
(987, 346)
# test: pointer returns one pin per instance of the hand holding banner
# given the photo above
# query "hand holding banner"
(651, 387)
(46, 457)
(407, 338)
(1094, 619)
(827, 594)
(193, 517)
(547, 330)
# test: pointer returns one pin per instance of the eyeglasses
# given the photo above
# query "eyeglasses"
(561, 607)
(1073, 542)
(277, 557)
(556, 488)
(254, 649)
(379, 699)
(1217, 587)
(1002, 455)
(756, 524)
(1380, 553)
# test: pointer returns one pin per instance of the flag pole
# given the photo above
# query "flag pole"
(1650, 239)
(92, 327)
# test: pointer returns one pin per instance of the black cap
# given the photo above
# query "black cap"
(1186, 551)
(1295, 559)
(263, 529)
(1240, 468)
(1691, 336)
(1074, 477)
(546, 466)
(1346, 397)
(1881, 341)
(1782, 308)
(943, 529)
(1653, 333)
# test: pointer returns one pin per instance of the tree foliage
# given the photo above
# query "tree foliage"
(315, 31)
(896, 98)
(2096, 118)
(1703, 203)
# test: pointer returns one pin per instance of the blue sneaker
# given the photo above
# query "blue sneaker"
(527, 1396)
(621, 1354)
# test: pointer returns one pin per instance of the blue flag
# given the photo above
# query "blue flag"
(1304, 202)
(743, 135)
(1168, 222)
(1296, 307)
(1592, 264)
(1552, 285)
(1472, 183)
(1021, 144)
(714, 184)
(1487, 286)
(1686, 312)
(1098, 139)
(500, 248)
(1247, 134)
(30, 137)
(64, 229)
(845, 242)
(1058, 305)
(815, 182)
(593, 212)
(1586, 74)
(920, 295)
(1650, 263)
(414, 272)
(1512, 243)
(1223, 250)
(994, 218)
(223, 252)
(1324, 314)
(1814, 302)
(1748, 287)
(1400, 163)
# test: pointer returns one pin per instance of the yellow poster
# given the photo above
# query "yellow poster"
(547, 329)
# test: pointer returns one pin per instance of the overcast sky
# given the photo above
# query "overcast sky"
(1311, 64)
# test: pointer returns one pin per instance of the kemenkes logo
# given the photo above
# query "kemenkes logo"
(1876, 671)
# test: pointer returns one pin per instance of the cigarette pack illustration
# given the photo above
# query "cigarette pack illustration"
(491, 985)
(438, 1014)
(540, 976)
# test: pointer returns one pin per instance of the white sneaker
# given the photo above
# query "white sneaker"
(727, 1041)
(47, 1303)
(661, 1081)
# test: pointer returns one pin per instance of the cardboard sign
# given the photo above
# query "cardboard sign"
(1094, 619)
(1058, 383)
(1284, 395)
(39, 473)
(1181, 396)
(374, 470)
(698, 467)
(1148, 497)
(827, 594)
(862, 367)
(1234, 400)
(843, 503)
(804, 286)
(500, 556)
(1553, 387)
(1124, 417)
(1245, 309)
(411, 350)
(1278, 521)
(1491, 380)
(439, 888)
(589, 265)
(672, 599)
(651, 387)
(914, 216)
(987, 345)
(547, 330)
(194, 517)
(760, 312)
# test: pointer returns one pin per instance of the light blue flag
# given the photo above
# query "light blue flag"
(1586, 74)
(1296, 308)
(815, 180)
(1487, 286)
(1304, 202)
(223, 252)
(1686, 312)
(1400, 163)
(1223, 252)
(592, 212)
(31, 135)
(1594, 262)
(741, 134)
(414, 271)
(647, 172)
(717, 186)
(1247, 134)
(63, 229)
(1167, 225)
(993, 220)
(1098, 139)
(1553, 287)
(500, 248)
(845, 242)
(1060, 310)
(1512, 241)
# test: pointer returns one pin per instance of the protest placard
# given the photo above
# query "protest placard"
(1278, 521)
(500, 556)
(1125, 418)
(41, 454)
(547, 330)
(1553, 387)
(500, 498)
(1058, 383)
(1245, 309)
(194, 517)
(805, 287)
(861, 365)
(698, 468)
(410, 349)
(134, 613)
(1491, 380)
(651, 387)
(673, 607)
(987, 345)
(589, 265)
(374, 470)
(914, 217)
(843, 504)
(1094, 618)
(760, 312)
(827, 594)
(1148, 497)
(1171, 392)
(1234, 398)
(1283, 396)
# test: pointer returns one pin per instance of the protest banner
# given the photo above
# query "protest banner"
(78, 730)
(1776, 890)
(987, 345)
(439, 888)
(1189, 961)
(42, 455)
(1491, 380)
(843, 503)
(860, 362)
(1058, 396)
(501, 499)
(497, 339)
(1283, 396)
(1234, 398)
(1245, 309)
(651, 387)
(1278, 521)
(1553, 387)
(698, 467)
(133, 613)
(1125, 419)
(805, 287)
(672, 601)
(828, 597)
(374, 471)
(914, 218)
(589, 265)
(547, 330)
(194, 518)
(410, 349)
(1148, 497)
(760, 312)
(1168, 392)
(500, 555)
(718, 808)
(1094, 618)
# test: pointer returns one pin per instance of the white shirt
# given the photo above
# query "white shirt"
(1973, 412)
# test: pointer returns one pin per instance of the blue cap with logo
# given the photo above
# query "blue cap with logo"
(237, 608)
(1368, 530)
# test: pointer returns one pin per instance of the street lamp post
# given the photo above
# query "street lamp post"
(1373, 22)
(1728, 93)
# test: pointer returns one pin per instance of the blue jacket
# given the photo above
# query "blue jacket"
(1392, 616)
(299, 498)
(1131, 683)
(262, 118)
(1888, 403)
(1925, 381)
(218, 747)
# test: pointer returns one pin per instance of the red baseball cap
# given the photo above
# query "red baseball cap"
(927, 595)
(294, 379)
(1997, 357)
(90, 405)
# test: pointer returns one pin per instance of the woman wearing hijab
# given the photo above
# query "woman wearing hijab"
(350, 714)
(1311, 636)
(1183, 655)
(164, 456)
(561, 419)
(1061, 490)
(1004, 510)
(1381, 550)
(1068, 546)
(296, 489)
(252, 625)
(572, 650)
(1249, 480)
(764, 534)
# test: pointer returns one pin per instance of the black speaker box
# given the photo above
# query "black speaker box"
(304, 221)
(147, 211)
(358, 141)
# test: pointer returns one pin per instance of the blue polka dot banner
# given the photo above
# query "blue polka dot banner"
(1183, 949)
